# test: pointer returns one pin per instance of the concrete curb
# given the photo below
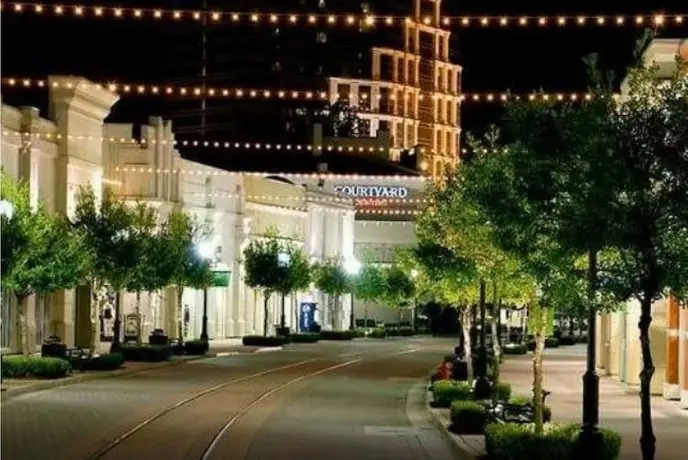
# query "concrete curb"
(463, 450)
(80, 378)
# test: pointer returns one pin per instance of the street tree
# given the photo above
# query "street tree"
(399, 290)
(182, 266)
(146, 275)
(331, 278)
(41, 252)
(368, 286)
(296, 276)
(107, 226)
(263, 269)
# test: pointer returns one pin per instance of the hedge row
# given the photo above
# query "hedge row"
(519, 442)
(147, 353)
(34, 366)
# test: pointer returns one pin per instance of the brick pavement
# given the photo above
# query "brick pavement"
(619, 407)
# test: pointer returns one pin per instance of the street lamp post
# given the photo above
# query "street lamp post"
(7, 210)
(283, 261)
(414, 275)
(206, 250)
(482, 385)
(352, 267)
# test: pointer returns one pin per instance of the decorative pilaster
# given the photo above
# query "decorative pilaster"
(671, 380)
(683, 356)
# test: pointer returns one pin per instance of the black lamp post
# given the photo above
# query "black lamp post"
(590, 438)
(204, 321)
(482, 387)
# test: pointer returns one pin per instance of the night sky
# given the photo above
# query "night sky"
(494, 58)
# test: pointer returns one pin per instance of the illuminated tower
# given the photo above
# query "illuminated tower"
(413, 93)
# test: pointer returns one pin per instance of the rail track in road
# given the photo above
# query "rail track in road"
(204, 418)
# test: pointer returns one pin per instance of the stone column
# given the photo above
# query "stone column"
(671, 378)
(683, 356)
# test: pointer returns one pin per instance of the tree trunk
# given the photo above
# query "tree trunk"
(180, 315)
(116, 345)
(524, 323)
(23, 326)
(495, 331)
(138, 317)
(539, 332)
(283, 317)
(647, 437)
(466, 340)
(266, 302)
(93, 315)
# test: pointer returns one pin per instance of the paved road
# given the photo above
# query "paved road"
(312, 401)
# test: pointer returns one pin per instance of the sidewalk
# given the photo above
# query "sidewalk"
(619, 408)
(218, 348)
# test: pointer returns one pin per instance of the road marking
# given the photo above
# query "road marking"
(169, 409)
(344, 355)
(226, 353)
(268, 349)
(412, 350)
(401, 430)
(209, 450)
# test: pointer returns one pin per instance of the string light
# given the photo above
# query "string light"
(371, 201)
(334, 20)
(271, 94)
(209, 144)
(298, 176)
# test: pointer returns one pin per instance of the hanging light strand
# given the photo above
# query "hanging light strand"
(272, 94)
(352, 21)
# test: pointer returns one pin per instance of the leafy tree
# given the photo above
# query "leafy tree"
(146, 275)
(369, 285)
(399, 289)
(107, 227)
(296, 276)
(264, 271)
(649, 242)
(339, 120)
(331, 278)
(181, 265)
(41, 253)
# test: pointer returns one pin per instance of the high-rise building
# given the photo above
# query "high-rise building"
(413, 92)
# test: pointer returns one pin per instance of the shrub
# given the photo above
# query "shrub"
(378, 333)
(406, 331)
(515, 349)
(519, 442)
(444, 392)
(283, 331)
(195, 347)
(501, 391)
(338, 335)
(551, 342)
(468, 417)
(106, 362)
(147, 353)
(315, 328)
(583, 338)
(304, 338)
(34, 366)
(531, 345)
(568, 340)
(521, 400)
(262, 341)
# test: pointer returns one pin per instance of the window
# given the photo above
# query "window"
(321, 37)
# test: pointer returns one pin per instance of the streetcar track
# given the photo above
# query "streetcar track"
(209, 449)
(105, 450)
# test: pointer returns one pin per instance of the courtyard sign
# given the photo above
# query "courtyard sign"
(371, 191)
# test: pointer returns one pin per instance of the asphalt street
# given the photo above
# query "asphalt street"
(331, 400)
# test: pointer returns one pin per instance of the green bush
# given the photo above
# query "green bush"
(531, 345)
(195, 347)
(338, 335)
(521, 400)
(444, 392)
(519, 442)
(378, 333)
(34, 366)
(568, 340)
(468, 417)
(501, 391)
(304, 338)
(514, 349)
(406, 331)
(262, 341)
(106, 362)
(551, 342)
(147, 353)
